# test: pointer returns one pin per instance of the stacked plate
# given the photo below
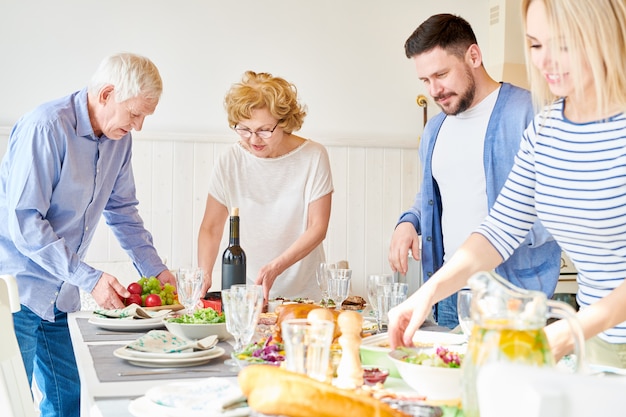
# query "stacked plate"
(174, 359)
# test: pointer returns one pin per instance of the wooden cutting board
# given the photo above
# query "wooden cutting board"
(173, 307)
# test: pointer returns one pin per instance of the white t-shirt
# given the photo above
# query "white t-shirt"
(273, 196)
(458, 168)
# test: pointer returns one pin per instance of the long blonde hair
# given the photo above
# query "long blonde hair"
(594, 32)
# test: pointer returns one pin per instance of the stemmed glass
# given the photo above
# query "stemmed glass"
(242, 306)
(321, 275)
(463, 309)
(188, 286)
(339, 285)
(372, 282)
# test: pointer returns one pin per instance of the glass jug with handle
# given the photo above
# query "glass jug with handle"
(508, 327)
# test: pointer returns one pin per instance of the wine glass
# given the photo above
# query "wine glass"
(231, 321)
(339, 285)
(242, 306)
(188, 286)
(321, 275)
(463, 310)
(372, 282)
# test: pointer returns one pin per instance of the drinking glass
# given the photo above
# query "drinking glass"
(372, 282)
(339, 285)
(463, 306)
(387, 297)
(188, 287)
(321, 275)
(307, 347)
(242, 306)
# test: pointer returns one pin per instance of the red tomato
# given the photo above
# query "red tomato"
(153, 300)
(135, 288)
(133, 299)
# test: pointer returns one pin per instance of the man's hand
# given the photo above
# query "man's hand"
(166, 277)
(109, 292)
(403, 238)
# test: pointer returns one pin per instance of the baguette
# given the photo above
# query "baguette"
(275, 391)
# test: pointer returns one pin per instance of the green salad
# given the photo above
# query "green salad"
(201, 316)
(442, 357)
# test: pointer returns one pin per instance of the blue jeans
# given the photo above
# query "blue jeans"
(48, 355)
(446, 312)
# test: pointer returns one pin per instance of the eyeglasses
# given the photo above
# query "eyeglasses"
(263, 134)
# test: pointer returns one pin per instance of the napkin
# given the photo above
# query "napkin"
(207, 397)
(132, 311)
(162, 341)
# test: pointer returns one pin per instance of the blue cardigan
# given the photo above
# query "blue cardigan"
(535, 264)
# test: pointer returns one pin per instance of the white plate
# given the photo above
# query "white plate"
(425, 337)
(127, 324)
(160, 355)
(143, 407)
(380, 341)
(172, 359)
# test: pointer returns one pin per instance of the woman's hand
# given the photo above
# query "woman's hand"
(406, 318)
(267, 275)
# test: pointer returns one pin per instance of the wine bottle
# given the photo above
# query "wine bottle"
(234, 258)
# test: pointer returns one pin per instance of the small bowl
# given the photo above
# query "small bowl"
(192, 331)
(433, 382)
(373, 375)
(374, 351)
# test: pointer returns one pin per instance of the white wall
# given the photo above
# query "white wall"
(345, 56)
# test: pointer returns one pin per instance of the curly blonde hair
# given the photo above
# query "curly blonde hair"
(264, 91)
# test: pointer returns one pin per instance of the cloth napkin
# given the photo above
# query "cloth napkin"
(132, 311)
(206, 397)
(162, 341)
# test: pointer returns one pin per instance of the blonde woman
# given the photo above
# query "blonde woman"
(570, 173)
(282, 185)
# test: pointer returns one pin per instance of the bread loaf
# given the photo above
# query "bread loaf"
(275, 391)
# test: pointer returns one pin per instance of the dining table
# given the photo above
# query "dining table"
(109, 384)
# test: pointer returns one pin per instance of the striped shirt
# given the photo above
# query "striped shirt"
(573, 178)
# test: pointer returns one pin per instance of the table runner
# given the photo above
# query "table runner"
(108, 366)
(92, 333)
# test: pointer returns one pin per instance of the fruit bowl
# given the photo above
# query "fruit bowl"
(433, 382)
(197, 331)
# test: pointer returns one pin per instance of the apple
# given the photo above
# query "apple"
(135, 288)
(133, 299)
(153, 300)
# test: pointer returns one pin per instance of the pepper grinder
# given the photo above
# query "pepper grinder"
(349, 371)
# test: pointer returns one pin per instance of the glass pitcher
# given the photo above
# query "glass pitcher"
(508, 327)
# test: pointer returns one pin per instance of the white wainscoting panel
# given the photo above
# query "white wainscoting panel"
(373, 185)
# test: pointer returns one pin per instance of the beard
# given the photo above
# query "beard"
(464, 99)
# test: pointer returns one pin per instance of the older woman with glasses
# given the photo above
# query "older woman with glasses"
(282, 185)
